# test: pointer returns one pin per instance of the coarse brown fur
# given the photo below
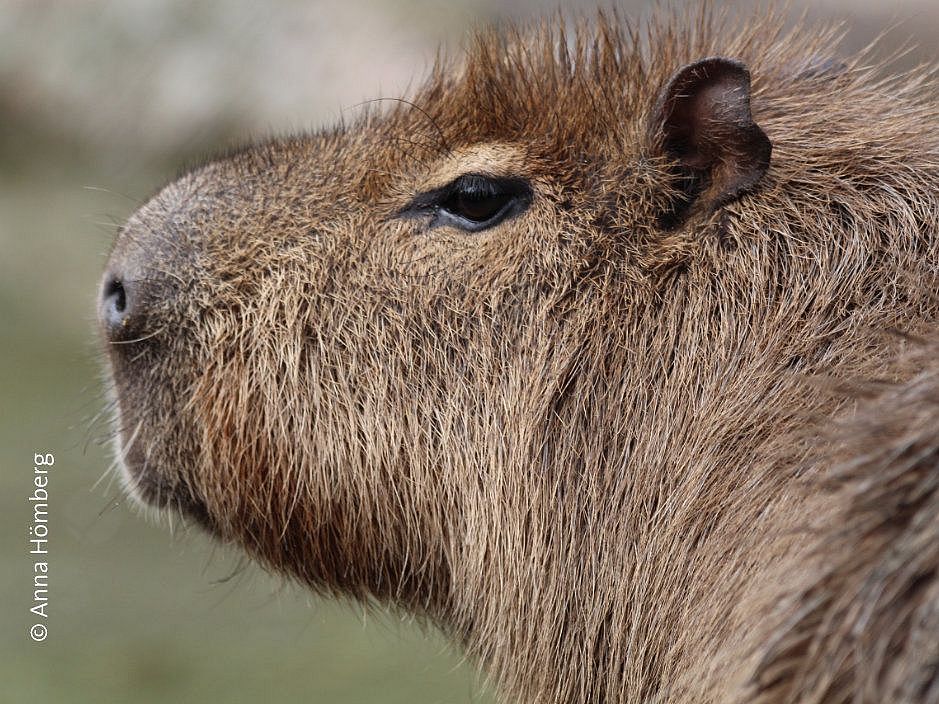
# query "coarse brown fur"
(621, 447)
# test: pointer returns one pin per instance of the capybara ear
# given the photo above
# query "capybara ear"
(702, 121)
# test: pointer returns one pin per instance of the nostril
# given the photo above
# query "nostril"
(115, 305)
(115, 296)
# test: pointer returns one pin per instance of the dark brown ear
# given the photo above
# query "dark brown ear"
(704, 125)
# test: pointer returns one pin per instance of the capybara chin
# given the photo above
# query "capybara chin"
(607, 352)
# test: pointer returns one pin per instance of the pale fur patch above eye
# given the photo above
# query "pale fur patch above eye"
(498, 160)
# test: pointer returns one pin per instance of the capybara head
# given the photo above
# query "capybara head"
(527, 352)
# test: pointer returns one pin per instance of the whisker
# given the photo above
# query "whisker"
(109, 506)
(442, 140)
(110, 191)
(138, 339)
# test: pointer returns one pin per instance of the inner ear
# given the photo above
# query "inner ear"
(703, 123)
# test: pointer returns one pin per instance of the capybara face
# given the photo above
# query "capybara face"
(537, 352)
(296, 329)
(311, 338)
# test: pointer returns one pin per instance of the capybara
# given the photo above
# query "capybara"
(608, 352)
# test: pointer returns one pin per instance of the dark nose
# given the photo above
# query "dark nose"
(140, 294)
(114, 310)
(122, 309)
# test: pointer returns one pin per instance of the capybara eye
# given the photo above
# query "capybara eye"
(473, 202)
(477, 199)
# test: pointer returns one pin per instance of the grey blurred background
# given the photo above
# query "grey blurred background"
(101, 103)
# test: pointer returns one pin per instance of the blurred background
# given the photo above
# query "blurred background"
(101, 103)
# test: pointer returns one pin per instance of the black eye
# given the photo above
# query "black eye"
(476, 198)
(473, 202)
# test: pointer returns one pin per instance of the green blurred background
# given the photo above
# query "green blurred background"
(101, 103)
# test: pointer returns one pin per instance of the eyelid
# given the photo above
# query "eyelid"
(474, 225)
(431, 200)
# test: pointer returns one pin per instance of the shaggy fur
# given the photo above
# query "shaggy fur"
(619, 457)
